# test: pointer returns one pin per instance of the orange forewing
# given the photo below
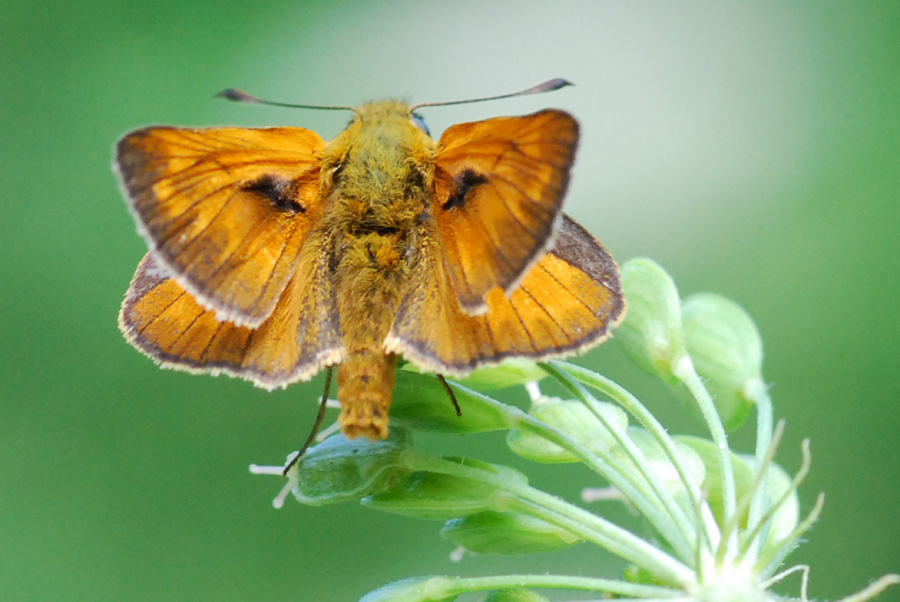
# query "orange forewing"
(498, 190)
(299, 338)
(224, 210)
(566, 303)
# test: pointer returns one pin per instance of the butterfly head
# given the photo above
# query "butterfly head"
(386, 111)
(378, 127)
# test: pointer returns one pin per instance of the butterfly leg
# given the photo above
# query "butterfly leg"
(450, 394)
(316, 425)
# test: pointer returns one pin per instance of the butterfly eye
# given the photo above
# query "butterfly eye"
(419, 123)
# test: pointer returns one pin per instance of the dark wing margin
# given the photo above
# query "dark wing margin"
(163, 321)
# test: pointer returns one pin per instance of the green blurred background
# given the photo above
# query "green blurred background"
(751, 148)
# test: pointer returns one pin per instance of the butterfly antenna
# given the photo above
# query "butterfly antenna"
(450, 394)
(547, 86)
(315, 428)
(238, 96)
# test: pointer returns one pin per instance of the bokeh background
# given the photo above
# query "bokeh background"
(751, 148)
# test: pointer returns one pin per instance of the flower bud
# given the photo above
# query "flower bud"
(421, 402)
(652, 332)
(511, 372)
(726, 349)
(339, 470)
(660, 464)
(712, 482)
(415, 589)
(434, 495)
(507, 533)
(572, 418)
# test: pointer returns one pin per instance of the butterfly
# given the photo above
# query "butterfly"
(273, 254)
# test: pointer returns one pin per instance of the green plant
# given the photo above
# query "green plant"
(722, 522)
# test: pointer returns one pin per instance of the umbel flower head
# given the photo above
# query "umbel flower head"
(722, 523)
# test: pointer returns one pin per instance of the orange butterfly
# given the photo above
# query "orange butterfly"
(274, 255)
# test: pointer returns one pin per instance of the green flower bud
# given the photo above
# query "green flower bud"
(421, 402)
(431, 495)
(516, 595)
(726, 349)
(505, 473)
(652, 332)
(434, 495)
(339, 470)
(572, 418)
(416, 589)
(743, 475)
(507, 533)
(512, 371)
(658, 462)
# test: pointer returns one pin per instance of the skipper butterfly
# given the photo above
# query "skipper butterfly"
(273, 254)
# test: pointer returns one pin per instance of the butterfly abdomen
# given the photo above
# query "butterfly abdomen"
(365, 382)
(371, 278)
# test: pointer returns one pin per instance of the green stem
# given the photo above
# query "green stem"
(614, 473)
(756, 391)
(755, 533)
(682, 540)
(683, 369)
(517, 419)
(647, 420)
(873, 590)
(604, 533)
(445, 587)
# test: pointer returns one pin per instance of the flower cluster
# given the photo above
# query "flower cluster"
(722, 522)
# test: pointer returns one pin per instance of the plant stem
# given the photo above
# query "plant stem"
(683, 369)
(462, 585)
(608, 468)
(647, 420)
(613, 473)
(756, 391)
(593, 528)
(686, 529)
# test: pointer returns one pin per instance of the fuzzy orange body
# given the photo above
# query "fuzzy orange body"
(274, 254)
(378, 169)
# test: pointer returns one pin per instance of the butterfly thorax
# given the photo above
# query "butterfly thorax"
(380, 169)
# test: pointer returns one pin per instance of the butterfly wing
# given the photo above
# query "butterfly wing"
(301, 336)
(498, 190)
(565, 304)
(224, 210)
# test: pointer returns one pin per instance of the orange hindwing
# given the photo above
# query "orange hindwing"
(567, 302)
(300, 337)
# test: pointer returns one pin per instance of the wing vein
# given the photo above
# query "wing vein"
(549, 315)
(160, 313)
(524, 327)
